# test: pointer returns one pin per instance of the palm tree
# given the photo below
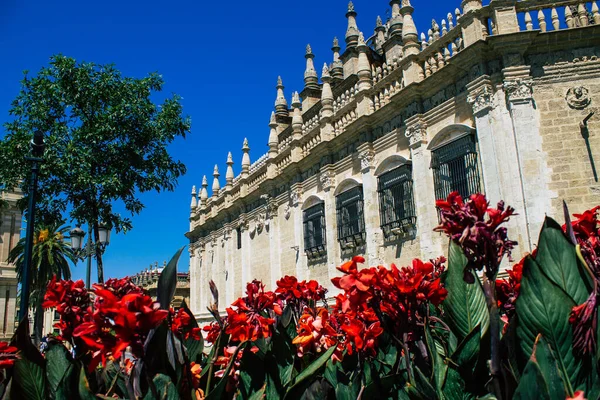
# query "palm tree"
(51, 255)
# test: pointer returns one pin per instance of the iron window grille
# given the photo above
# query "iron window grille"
(314, 231)
(350, 218)
(396, 203)
(238, 232)
(455, 168)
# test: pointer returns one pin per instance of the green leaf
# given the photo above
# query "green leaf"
(467, 353)
(439, 367)
(532, 386)
(29, 381)
(311, 370)
(168, 282)
(194, 347)
(549, 369)
(423, 385)
(454, 388)
(260, 395)
(465, 305)
(557, 258)
(165, 389)
(58, 363)
(543, 307)
(217, 392)
(85, 393)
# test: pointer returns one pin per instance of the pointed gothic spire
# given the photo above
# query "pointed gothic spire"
(352, 31)
(194, 203)
(204, 191)
(273, 137)
(297, 118)
(281, 106)
(397, 19)
(216, 187)
(380, 35)
(365, 79)
(246, 157)
(409, 30)
(326, 94)
(311, 80)
(229, 175)
(337, 68)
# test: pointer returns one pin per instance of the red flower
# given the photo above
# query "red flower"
(315, 334)
(213, 330)
(584, 317)
(71, 300)
(250, 320)
(183, 324)
(8, 355)
(289, 289)
(483, 241)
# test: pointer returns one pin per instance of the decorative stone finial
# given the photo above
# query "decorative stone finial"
(281, 106)
(336, 44)
(311, 80)
(379, 22)
(326, 94)
(216, 187)
(194, 203)
(297, 118)
(337, 68)
(273, 138)
(229, 175)
(361, 39)
(352, 31)
(409, 30)
(296, 103)
(325, 73)
(245, 157)
(204, 191)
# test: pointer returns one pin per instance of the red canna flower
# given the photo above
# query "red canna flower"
(213, 330)
(71, 301)
(289, 289)
(250, 320)
(196, 371)
(182, 324)
(484, 241)
(315, 334)
(8, 355)
(584, 317)
(578, 395)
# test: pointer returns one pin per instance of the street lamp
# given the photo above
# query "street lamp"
(37, 151)
(81, 253)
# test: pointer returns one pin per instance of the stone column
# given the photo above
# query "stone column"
(427, 217)
(328, 182)
(481, 99)
(532, 161)
(274, 243)
(3, 307)
(301, 260)
(229, 273)
(374, 235)
(246, 254)
(194, 281)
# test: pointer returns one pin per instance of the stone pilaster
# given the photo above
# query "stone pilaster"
(366, 155)
(229, 243)
(246, 254)
(531, 157)
(431, 243)
(274, 243)
(327, 181)
(296, 204)
(481, 99)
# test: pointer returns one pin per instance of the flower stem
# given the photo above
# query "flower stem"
(489, 288)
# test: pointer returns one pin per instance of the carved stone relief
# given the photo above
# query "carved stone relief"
(416, 134)
(519, 90)
(481, 100)
(578, 98)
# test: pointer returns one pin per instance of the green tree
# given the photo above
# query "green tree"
(50, 257)
(106, 142)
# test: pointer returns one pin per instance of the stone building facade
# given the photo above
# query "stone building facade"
(10, 232)
(501, 99)
(148, 279)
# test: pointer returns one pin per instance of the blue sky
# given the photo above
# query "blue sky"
(222, 57)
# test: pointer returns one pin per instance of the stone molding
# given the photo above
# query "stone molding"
(417, 134)
(482, 100)
(520, 90)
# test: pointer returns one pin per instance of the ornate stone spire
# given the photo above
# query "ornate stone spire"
(281, 106)
(297, 118)
(311, 80)
(204, 191)
(337, 67)
(380, 35)
(273, 137)
(194, 203)
(397, 19)
(365, 79)
(326, 94)
(352, 31)
(245, 157)
(229, 175)
(216, 187)
(409, 30)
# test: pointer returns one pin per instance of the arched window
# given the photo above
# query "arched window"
(455, 165)
(396, 202)
(350, 217)
(314, 231)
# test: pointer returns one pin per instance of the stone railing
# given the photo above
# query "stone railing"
(311, 143)
(310, 124)
(557, 15)
(440, 46)
(258, 164)
(345, 98)
(284, 142)
(340, 124)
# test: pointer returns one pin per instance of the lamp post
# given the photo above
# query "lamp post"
(77, 236)
(37, 150)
